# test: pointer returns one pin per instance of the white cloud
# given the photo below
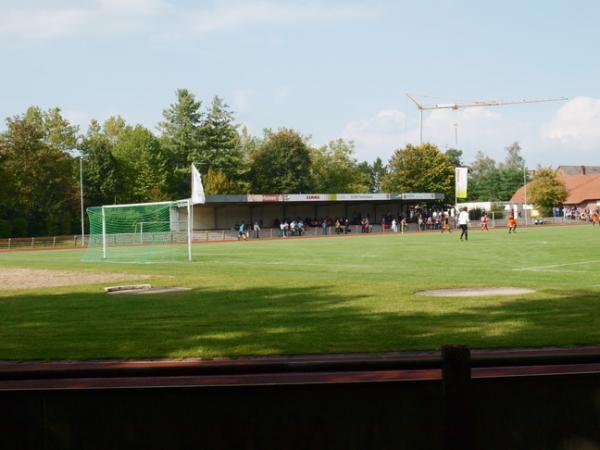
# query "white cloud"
(378, 135)
(163, 19)
(80, 118)
(576, 125)
(478, 129)
(225, 15)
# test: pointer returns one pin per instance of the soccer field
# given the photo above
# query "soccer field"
(340, 294)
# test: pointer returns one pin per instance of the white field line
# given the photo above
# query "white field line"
(555, 266)
(289, 263)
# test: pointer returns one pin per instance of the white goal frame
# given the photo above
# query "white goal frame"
(187, 203)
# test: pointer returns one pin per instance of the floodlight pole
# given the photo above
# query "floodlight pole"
(456, 136)
(103, 234)
(81, 199)
(525, 193)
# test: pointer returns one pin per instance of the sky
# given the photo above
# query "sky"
(329, 69)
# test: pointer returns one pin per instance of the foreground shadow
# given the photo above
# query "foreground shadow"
(263, 321)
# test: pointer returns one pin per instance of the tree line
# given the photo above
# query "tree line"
(40, 154)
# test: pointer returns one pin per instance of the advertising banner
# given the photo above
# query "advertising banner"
(359, 197)
(461, 182)
(265, 198)
(309, 197)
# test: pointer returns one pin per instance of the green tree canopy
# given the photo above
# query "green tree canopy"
(181, 141)
(99, 168)
(39, 170)
(422, 168)
(221, 146)
(490, 181)
(216, 182)
(335, 170)
(455, 157)
(281, 164)
(141, 165)
(547, 190)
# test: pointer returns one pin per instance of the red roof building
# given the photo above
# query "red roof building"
(583, 191)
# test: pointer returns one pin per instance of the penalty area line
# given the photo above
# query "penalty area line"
(554, 266)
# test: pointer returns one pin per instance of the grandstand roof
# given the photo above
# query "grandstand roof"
(579, 187)
(309, 198)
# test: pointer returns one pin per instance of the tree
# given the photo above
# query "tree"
(374, 172)
(547, 190)
(99, 168)
(281, 164)
(114, 127)
(221, 147)
(216, 182)
(39, 181)
(496, 182)
(421, 168)
(335, 170)
(181, 141)
(481, 178)
(513, 159)
(141, 166)
(455, 157)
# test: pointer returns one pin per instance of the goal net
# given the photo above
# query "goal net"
(145, 232)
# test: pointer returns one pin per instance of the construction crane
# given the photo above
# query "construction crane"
(475, 104)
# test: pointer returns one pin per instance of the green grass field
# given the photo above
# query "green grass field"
(349, 294)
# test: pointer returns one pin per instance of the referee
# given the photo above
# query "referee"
(463, 223)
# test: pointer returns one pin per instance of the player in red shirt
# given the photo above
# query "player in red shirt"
(484, 222)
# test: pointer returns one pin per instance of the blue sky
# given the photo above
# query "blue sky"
(326, 68)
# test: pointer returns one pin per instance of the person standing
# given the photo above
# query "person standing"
(463, 223)
(256, 230)
(512, 224)
(445, 223)
(484, 222)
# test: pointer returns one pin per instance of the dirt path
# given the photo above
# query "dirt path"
(36, 278)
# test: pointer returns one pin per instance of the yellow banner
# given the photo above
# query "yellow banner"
(460, 175)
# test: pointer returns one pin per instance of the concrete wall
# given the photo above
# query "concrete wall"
(230, 215)
(267, 213)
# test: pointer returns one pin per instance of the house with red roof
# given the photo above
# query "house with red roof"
(583, 190)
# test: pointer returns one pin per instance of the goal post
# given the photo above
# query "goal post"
(141, 232)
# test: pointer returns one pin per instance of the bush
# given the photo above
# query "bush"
(52, 225)
(66, 224)
(19, 227)
(5, 228)
(476, 213)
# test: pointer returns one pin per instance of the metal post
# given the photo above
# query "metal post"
(421, 127)
(189, 217)
(81, 199)
(525, 186)
(103, 234)
(456, 136)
